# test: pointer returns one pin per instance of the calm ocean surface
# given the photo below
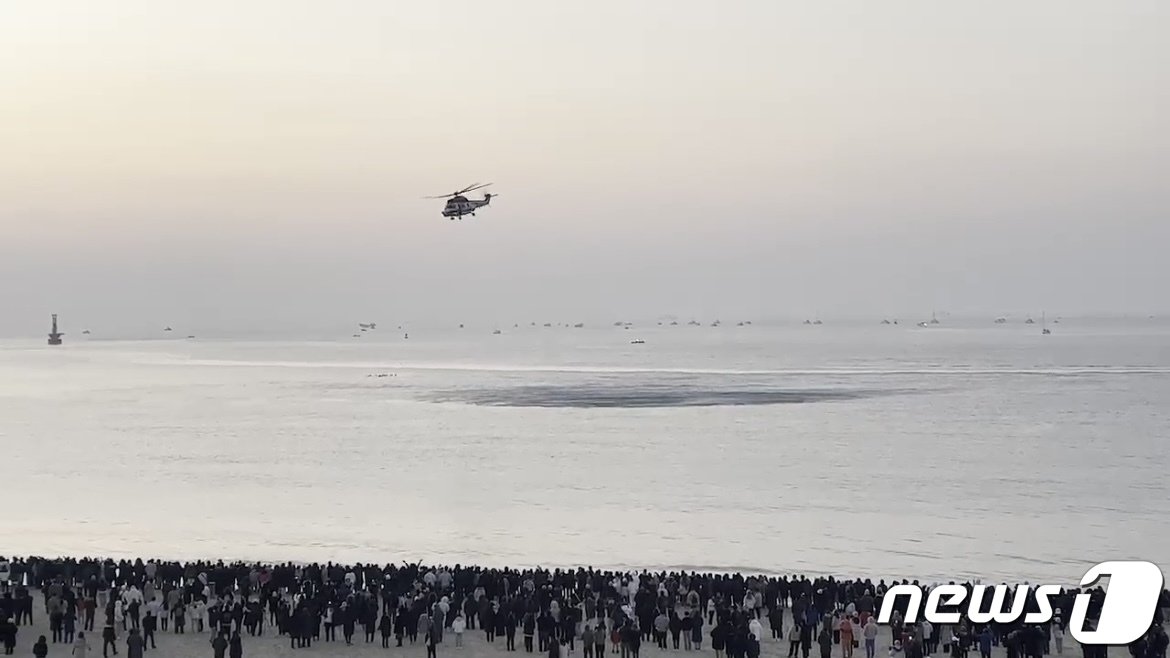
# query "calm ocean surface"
(954, 451)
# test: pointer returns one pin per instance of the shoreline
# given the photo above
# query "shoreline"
(620, 570)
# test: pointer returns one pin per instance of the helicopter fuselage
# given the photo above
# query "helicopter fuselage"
(460, 206)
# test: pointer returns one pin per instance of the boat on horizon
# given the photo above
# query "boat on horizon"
(54, 335)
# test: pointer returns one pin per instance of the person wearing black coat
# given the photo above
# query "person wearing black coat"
(109, 640)
(510, 630)
(432, 640)
(386, 627)
(529, 630)
(719, 639)
(825, 640)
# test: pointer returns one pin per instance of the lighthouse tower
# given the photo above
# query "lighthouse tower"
(54, 335)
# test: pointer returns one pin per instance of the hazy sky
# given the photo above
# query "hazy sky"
(226, 163)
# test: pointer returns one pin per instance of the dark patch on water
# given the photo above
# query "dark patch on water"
(584, 397)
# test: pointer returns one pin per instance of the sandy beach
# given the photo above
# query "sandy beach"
(193, 645)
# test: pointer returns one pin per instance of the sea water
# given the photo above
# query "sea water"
(953, 451)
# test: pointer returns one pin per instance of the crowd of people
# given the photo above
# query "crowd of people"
(131, 604)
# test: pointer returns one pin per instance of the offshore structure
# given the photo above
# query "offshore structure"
(54, 335)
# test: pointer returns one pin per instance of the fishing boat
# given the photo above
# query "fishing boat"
(54, 335)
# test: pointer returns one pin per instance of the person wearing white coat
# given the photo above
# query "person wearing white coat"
(756, 630)
(458, 626)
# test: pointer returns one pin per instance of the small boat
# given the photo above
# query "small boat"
(85, 333)
(808, 321)
(1029, 321)
(924, 324)
(167, 329)
(1044, 330)
(190, 338)
(405, 336)
(579, 325)
(54, 335)
(637, 342)
(460, 326)
(885, 321)
(933, 318)
(357, 335)
(548, 324)
(1001, 320)
(497, 332)
(674, 324)
(739, 324)
(817, 322)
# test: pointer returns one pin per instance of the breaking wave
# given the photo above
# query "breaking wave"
(584, 397)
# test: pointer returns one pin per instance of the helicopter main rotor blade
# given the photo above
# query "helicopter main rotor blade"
(475, 187)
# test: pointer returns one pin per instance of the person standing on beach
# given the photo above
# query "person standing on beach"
(510, 630)
(431, 642)
(661, 625)
(386, 626)
(719, 639)
(109, 640)
(599, 639)
(846, 630)
(401, 622)
(80, 646)
(424, 625)
(219, 645)
(347, 623)
(587, 641)
(870, 632)
(327, 620)
(825, 640)
(370, 621)
(134, 645)
(150, 621)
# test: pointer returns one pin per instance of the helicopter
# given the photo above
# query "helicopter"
(459, 205)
